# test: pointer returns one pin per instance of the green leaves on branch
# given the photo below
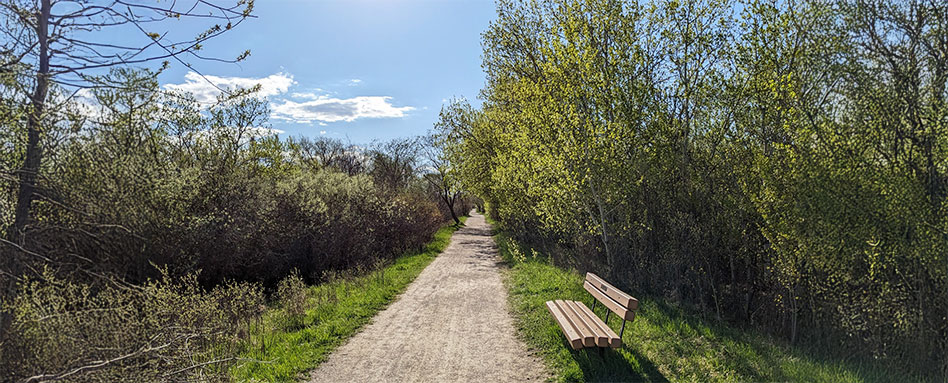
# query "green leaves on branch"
(783, 164)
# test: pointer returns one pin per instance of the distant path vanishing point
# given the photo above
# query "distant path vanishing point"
(451, 324)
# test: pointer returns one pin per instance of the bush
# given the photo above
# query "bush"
(210, 196)
(193, 193)
(292, 296)
(162, 330)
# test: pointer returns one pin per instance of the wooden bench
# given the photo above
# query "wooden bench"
(581, 325)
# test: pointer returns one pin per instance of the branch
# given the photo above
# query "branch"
(99, 364)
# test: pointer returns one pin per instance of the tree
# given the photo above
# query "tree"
(49, 46)
(442, 179)
(394, 163)
(65, 43)
(777, 162)
(331, 153)
(461, 142)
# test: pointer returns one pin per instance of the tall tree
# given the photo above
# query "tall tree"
(442, 177)
(67, 42)
(394, 163)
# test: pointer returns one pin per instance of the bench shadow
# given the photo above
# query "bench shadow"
(616, 365)
(762, 356)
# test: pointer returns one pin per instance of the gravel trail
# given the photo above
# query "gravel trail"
(451, 324)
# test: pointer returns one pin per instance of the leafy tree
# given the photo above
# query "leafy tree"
(442, 179)
(774, 163)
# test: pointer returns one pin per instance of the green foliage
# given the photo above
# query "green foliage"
(212, 197)
(292, 296)
(153, 178)
(778, 164)
(664, 342)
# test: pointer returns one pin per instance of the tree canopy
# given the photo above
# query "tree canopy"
(783, 164)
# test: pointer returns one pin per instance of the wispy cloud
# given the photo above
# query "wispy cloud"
(314, 95)
(206, 90)
(259, 131)
(306, 106)
(328, 109)
(243, 134)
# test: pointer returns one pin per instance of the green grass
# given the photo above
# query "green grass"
(338, 309)
(663, 343)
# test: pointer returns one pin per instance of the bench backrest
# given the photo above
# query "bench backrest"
(624, 305)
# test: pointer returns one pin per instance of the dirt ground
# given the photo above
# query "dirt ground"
(451, 324)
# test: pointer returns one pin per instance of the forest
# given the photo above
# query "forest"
(781, 165)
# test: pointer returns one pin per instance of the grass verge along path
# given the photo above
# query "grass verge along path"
(663, 343)
(337, 310)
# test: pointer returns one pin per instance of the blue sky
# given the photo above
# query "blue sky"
(359, 70)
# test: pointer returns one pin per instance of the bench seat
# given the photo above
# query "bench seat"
(581, 326)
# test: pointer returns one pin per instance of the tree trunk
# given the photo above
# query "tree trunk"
(454, 216)
(450, 203)
(31, 164)
(27, 173)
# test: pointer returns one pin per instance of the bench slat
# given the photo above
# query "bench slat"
(610, 339)
(571, 335)
(593, 335)
(595, 324)
(581, 326)
(589, 339)
(623, 299)
(617, 308)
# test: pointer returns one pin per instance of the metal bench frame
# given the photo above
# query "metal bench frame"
(606, 321)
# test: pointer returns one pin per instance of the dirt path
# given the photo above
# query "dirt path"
(452, 324)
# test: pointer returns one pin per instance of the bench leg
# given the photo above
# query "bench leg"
(621, 330)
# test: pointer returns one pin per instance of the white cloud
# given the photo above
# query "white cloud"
(246, 133)
(322, 132)
(316, 94)
(313, 105)
(205, 89)
(328, 109)
(260, 131)
(87, 104)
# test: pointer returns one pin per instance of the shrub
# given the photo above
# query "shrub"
(163, 330)
(155, 179)
(292, 296)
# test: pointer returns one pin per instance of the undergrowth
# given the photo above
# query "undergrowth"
(664, 342)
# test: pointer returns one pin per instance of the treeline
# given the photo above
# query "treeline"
(778, 164)
(159, 223)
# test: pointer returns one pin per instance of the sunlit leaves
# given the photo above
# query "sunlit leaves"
(793, 150)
